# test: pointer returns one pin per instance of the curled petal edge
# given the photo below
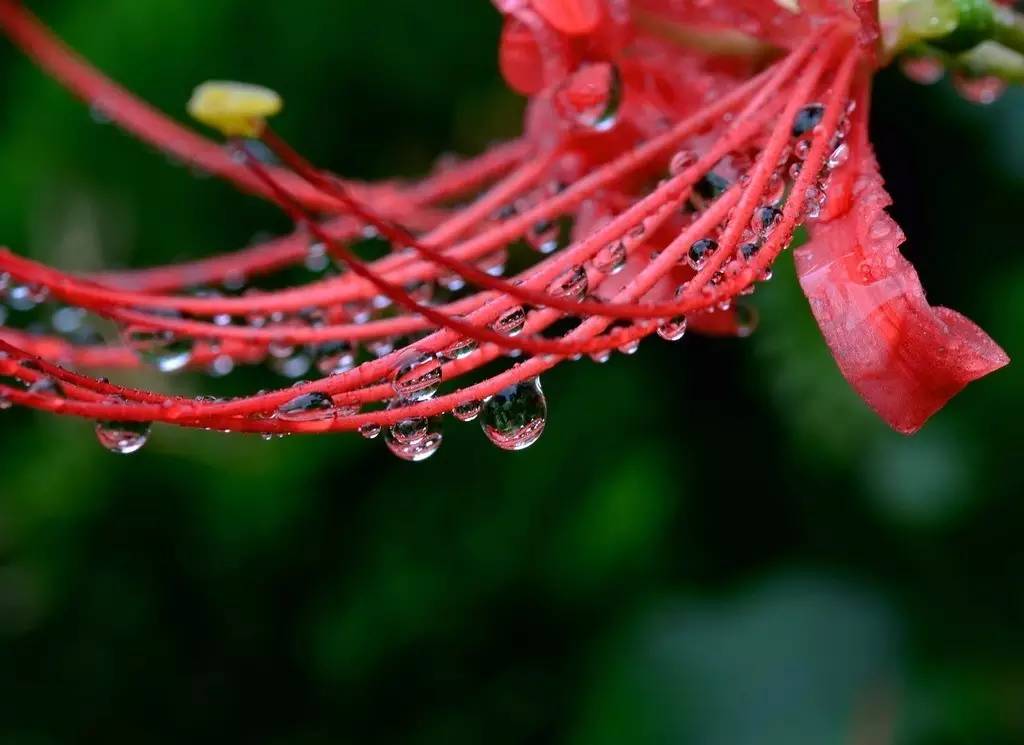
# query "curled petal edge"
(905, 358)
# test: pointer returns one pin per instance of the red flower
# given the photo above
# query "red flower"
(671, 149)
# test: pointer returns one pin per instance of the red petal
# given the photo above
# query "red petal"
(519, 58)
(905, 358)
(573, 17)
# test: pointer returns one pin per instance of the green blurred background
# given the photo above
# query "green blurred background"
(714, 542)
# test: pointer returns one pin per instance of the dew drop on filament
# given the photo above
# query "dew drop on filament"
(610, 259)
(699, 252)
(572, 284)
(467, 411)
(417, 376)
(309, 407)
(590, 98)
(511, 322)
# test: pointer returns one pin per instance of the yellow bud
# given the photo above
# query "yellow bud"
(236, 109)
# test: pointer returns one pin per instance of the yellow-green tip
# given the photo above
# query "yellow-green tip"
(235, 109)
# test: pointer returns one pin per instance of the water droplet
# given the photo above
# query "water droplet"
(98, 112)
(413, 439)
(591, 96)
(309, 407)
(317, 259)
(572, 284)
(26, 297)
(808, 118)
(67, 320)
(123, 438)
(711, 186)
(417, 376)
(802, 149)
(838, 157)
(511, 322)
(370, 430)
(749, 250)
(162, 349)
(674, 329)
(335, 357)
(746, 320)
(700, 251)
(221, 365)
(630, 347)
(461, 348)
(292, 367)
(610, 259)
(775, 188)
(543, 236)
(765, 220)
(467, 411)
(46, 386)
(515, 418)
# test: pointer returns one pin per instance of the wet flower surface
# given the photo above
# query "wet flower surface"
(670, 151)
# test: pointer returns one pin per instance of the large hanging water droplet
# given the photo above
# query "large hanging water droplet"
(514, 419)
(808, 118)
(591, 97)
(309, 407)
(123, 438)
(417, 376)
(413, 439)
(511, 322)
(160, 348)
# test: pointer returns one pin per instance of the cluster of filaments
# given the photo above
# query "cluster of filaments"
(456, 294)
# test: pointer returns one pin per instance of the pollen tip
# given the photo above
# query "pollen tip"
(234, 109)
